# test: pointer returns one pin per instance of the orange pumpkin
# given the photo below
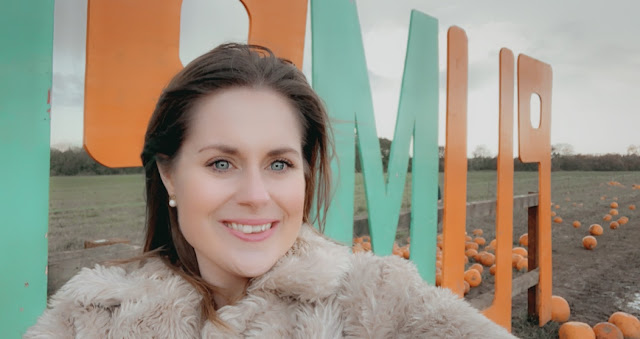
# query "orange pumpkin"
(438, 278)
(471, 244)
(557, 220)
(471, 252)
(515, 258)
(467, 287)
(628, 324)
(613, 205)
(607, 330)
(477, 267)
(576, 224)
(560, 311)
(524, 239)
(492, 269)
(613, 225)
(589, 242)
(623, 220)
(576, 330)
(467, 238)
(477, 232)
(473, 277)
(487, 259)
(613, 212)
(480, 241)
(523, 264)
(606, 217)
(493, 243)
(595, 229)
(520, 250)
(553, 214)
(632, 207)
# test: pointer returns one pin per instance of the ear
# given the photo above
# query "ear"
(166, 175)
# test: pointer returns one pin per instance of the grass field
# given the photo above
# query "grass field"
(596, 283)
(95, 207)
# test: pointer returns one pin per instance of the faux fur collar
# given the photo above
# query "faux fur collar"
(312, 269)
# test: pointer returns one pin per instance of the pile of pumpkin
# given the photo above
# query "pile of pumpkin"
(620, 324)
(590, 242)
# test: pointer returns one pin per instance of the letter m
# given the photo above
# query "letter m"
(341, 79)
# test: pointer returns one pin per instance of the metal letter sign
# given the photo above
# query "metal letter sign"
(26, 47)
(340, 77)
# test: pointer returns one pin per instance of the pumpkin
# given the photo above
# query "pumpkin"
(473, 277)
(613, 205)
(623, 220)
(524, 239)
(471, 244)
(576, 330)
(553, 214)
(480, 241)
(492, 269)
(606, 217)
(589, 242)
(477, 232)
(405, 251)
(520, 250)
(560, 311)
(515, 258)
(607, 330)
(557, 220)
(576, 224)
(632, 207)
(595, 229)
(477, 267)
(523, 264)
(438, 278)
(487, 258)
(470, 253)
(556, 206)
(493, 243)
(467, 238)
(466, 259)
(613, 212)
(613, 225)
(467, 287)
(628, 324)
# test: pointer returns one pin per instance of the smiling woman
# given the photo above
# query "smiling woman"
(236, 154)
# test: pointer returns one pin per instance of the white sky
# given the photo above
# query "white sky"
(592, 46)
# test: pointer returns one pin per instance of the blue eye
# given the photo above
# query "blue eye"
(278, 165)
(221, 165)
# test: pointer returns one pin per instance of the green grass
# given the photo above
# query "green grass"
(94, 207)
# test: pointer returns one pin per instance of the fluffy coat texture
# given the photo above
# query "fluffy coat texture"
(317, 290)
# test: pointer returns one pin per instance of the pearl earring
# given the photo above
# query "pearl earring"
(172, 201)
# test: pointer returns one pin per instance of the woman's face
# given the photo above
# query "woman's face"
(239, 183)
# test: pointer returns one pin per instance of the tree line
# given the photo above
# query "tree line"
(76, 161)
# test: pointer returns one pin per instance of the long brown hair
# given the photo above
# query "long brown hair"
(228, 65)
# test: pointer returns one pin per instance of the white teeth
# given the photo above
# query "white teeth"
(249, 228)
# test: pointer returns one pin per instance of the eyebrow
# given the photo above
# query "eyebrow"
(234, 151)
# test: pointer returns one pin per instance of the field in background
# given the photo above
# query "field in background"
(95, 207)
(595, 283)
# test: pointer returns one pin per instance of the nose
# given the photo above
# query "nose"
(252, 190)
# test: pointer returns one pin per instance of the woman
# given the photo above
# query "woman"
(235, 154)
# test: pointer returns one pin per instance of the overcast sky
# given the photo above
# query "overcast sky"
(592, 46)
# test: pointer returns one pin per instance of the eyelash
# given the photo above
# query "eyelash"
(288, 164)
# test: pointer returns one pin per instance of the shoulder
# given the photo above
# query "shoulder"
(387, 295)
(126, 298)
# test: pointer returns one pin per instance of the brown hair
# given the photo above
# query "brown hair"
(226, 66)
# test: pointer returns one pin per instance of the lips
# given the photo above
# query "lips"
(251, 230)
(248, 229)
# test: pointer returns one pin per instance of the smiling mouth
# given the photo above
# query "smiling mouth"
(248, 229)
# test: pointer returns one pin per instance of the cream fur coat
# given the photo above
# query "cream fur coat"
(317, 290)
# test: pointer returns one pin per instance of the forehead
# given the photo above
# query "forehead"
(245, 117)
